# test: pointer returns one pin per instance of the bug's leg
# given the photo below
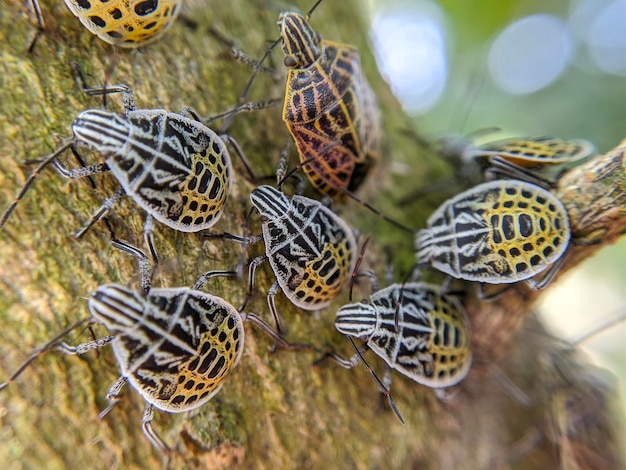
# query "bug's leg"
(283, 173)
(202, 280)
(355, 272)
(242, 156)
(113, 396)
(150, 433)
(353, 361)
(501, 168)
(41, 25)
(128, 98)
(145, 272)
(257, 67)
(275, 335)
(251, 271)
(80, 172)
(271, 294)
(241, 56)
(247, 107)
(381, 385)
(45, 162)
(548, 276)
(494, 293)
(83, 348)
(245, 240)
(148, 237)
(102, 211)
(387, 384)
(53, 343)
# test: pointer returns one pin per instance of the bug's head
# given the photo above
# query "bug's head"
(102, 130)
(301, 44)
(116, 306)
(270, 202)
(358, 320)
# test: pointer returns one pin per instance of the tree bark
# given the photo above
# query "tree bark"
(276, 410)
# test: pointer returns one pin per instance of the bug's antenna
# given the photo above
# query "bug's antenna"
(382, 387)
(357, 265)
(39, 351)
(45, 162)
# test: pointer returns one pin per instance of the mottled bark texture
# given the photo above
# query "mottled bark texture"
(276, 411)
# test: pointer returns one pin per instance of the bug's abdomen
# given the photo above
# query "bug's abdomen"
(126, 23)
(176, 346)
(324, 277)
(176, 169)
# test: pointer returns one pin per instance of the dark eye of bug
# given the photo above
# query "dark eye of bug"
(290, 61)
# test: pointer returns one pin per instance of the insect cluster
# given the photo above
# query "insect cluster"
(176, 346)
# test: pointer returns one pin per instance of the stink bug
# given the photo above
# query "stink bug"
(497, 232)
(312, 251)
(175, 346)
(533, 159)
(173, 166)
(431, 345)
(124, 23)
(329, 108)
(328, 102)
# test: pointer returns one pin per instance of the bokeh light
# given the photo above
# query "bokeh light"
(530, 54)
(410, 50)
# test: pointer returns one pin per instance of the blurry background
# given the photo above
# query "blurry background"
(531, 68)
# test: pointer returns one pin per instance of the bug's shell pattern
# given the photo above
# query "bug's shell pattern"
(536, 151)
(330, 108)
(175, 168)
(432, 344)
(126, 23)
(497, 232)
(312, 251)
(175, 346)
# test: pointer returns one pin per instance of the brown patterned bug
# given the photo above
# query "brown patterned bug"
(328, 102)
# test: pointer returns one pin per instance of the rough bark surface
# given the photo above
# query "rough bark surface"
(276, 411)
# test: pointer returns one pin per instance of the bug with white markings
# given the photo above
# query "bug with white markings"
(175, 346)
(539, 160)
(312, 251)
(498, 232)
(173, 166)
(428, 341)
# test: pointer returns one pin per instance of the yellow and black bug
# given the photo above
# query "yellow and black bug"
(173, 166)
(428, 340)
(527, 157)
(535, 159)
(312, 251)
(175, 346)
(124, 23)
(498, 232)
